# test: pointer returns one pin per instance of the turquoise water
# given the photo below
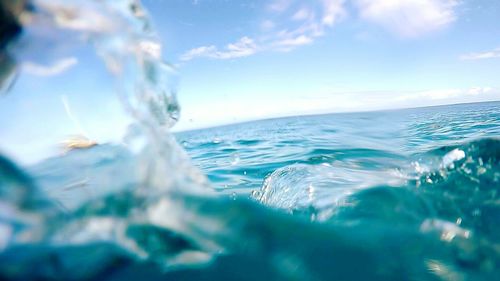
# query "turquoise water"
(397, 195)
(392, 195)
(238, 157)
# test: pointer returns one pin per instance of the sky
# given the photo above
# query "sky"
(254, 59)
(246, 60)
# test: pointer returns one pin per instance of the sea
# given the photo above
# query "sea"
(408, 194)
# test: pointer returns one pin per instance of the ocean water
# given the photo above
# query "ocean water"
(396, 195)
(408, 194)
(238, 157)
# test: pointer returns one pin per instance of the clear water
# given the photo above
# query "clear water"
(240, 156)
(396, 195)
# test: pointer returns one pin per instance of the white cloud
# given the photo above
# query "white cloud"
(289, 24)
(279, 5)
(409, 18)
(313, 21)
(482, 55)
(293, 42)
(51, 70)
(301, 14)
(480, 90)
(333, 10)
(242, 48)
(292, 23)
(439, 94)
(445, 94)
(204, 51)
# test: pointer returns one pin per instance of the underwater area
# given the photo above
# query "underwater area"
(406, 194)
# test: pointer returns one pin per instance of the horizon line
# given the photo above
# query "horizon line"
(320, 114)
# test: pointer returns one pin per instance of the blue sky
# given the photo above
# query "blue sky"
(254, 59)
(243, 60)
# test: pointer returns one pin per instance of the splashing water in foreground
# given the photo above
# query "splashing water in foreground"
(129, 206)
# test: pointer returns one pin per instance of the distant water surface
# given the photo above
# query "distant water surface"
(238, 157)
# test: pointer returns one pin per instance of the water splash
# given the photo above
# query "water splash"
(94, 206)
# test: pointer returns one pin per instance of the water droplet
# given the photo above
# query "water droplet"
(481, 170)
(255, 194)
(235, 158)
(476, 212)
(453, 156)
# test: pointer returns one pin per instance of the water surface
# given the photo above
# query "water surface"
(394, 195)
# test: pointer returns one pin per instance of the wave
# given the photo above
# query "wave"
(439, 223)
